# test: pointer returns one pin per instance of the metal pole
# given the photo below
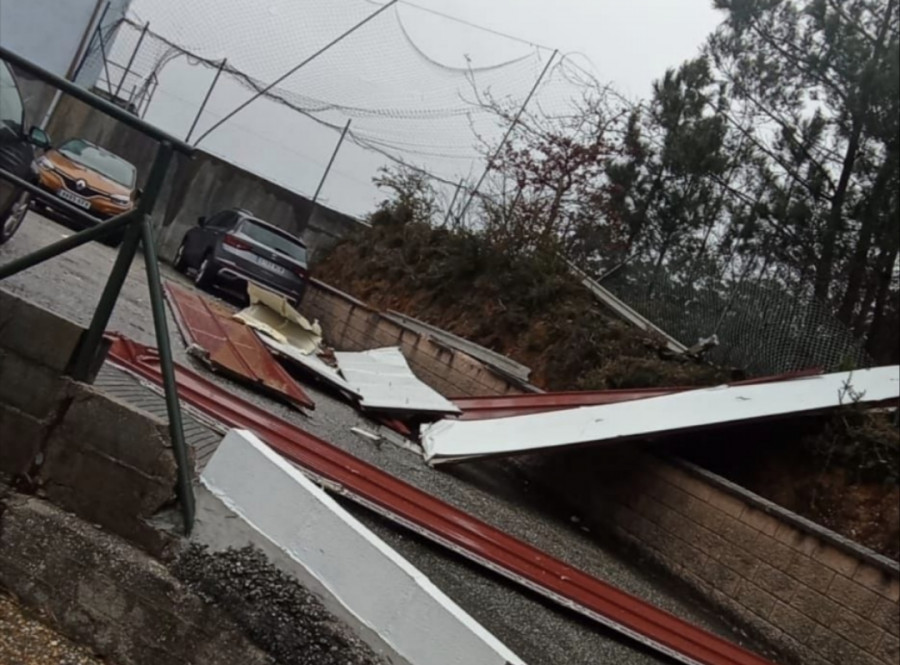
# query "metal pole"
(150, 94)
(206, 99)
(167, 365)
(87, 50)
(315, 55)
(506, 136)
(64, 245)
(137, 47)
(328, 168)
(90, 343)
(452, 201)
(78, 61)
(105, 65)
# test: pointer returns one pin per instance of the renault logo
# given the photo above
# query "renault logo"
(80, 184)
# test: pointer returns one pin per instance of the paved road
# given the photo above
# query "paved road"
(539, 633)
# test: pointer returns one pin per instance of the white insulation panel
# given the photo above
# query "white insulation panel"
(450, 440)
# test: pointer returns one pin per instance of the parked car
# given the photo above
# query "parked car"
(233, 247)
(88, 177)
(16, 153)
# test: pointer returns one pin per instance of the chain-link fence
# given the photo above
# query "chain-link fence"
(760, 324)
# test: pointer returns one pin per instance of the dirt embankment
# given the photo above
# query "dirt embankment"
(842, 477)
(535, 313)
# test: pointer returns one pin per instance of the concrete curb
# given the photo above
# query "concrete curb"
(376, 585)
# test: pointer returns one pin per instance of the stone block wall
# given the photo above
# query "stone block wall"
(815, 597)
(351, 325)
(104, 593)
(102, 459)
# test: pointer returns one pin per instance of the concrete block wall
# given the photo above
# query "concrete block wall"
(351, 325)
(104, 593)
(812, 595)
(106, 461)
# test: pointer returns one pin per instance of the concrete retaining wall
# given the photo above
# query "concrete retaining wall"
(108, 462)
(351, 325)
(104, 593)
(811, 594)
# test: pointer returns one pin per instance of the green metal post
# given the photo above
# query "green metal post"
(64, 245)
(90, 343)
(176, 429)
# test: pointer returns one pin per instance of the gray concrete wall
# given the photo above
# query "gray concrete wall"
(812, 595)
(351, 325)
(102, 459)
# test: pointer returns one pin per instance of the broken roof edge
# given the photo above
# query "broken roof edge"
(656, 417)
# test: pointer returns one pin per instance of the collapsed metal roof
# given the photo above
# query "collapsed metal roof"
(722, 406)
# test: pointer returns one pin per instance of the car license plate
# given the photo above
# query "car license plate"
(81, 202)
(271, 266)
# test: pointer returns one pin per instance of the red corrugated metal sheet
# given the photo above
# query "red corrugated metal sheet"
(231, 346)
(483, 408)
(452, 528)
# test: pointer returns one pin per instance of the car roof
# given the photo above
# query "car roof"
(246, 214)
(97, 147)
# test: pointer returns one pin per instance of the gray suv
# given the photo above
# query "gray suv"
(16, 153)
(232, 248)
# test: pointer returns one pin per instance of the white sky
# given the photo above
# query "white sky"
(627, 42)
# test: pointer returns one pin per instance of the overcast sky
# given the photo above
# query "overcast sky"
(627, 42)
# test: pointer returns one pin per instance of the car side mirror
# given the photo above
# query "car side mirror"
(39, 138)
(201, 221)
(138, 193)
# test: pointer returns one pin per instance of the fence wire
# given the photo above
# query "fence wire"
(761, 325)
(431, 118)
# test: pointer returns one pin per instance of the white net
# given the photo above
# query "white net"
(403, 103)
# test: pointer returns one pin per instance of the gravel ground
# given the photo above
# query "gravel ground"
(492, 491)
(26, 641)
(275, 610)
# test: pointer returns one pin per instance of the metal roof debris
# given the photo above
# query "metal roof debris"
(386, 383)
(230, 346)
(271, 314)
(654, 417)
(448, 526)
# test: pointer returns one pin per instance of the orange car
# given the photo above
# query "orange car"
(88, 177)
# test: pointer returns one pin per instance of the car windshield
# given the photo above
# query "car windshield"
(277, 241)
(103, 162)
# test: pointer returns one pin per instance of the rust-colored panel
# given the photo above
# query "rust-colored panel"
(501, 406)
(231, 346)
(448, 526)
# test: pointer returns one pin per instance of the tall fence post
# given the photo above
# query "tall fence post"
(506, 136)
(90, 44)
(452, 202)
(206, 99)
(105, 64)
(137, 47)
(328, 167)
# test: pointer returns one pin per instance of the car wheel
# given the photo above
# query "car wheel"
(205, 277)
(178, 262)
(12, 218)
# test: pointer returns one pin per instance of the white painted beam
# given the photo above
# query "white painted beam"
(450, 440)
(374, 583)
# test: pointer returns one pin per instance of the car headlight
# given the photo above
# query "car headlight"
(43, 163)
(121, 199)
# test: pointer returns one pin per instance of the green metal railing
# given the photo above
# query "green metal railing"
(137, 232)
